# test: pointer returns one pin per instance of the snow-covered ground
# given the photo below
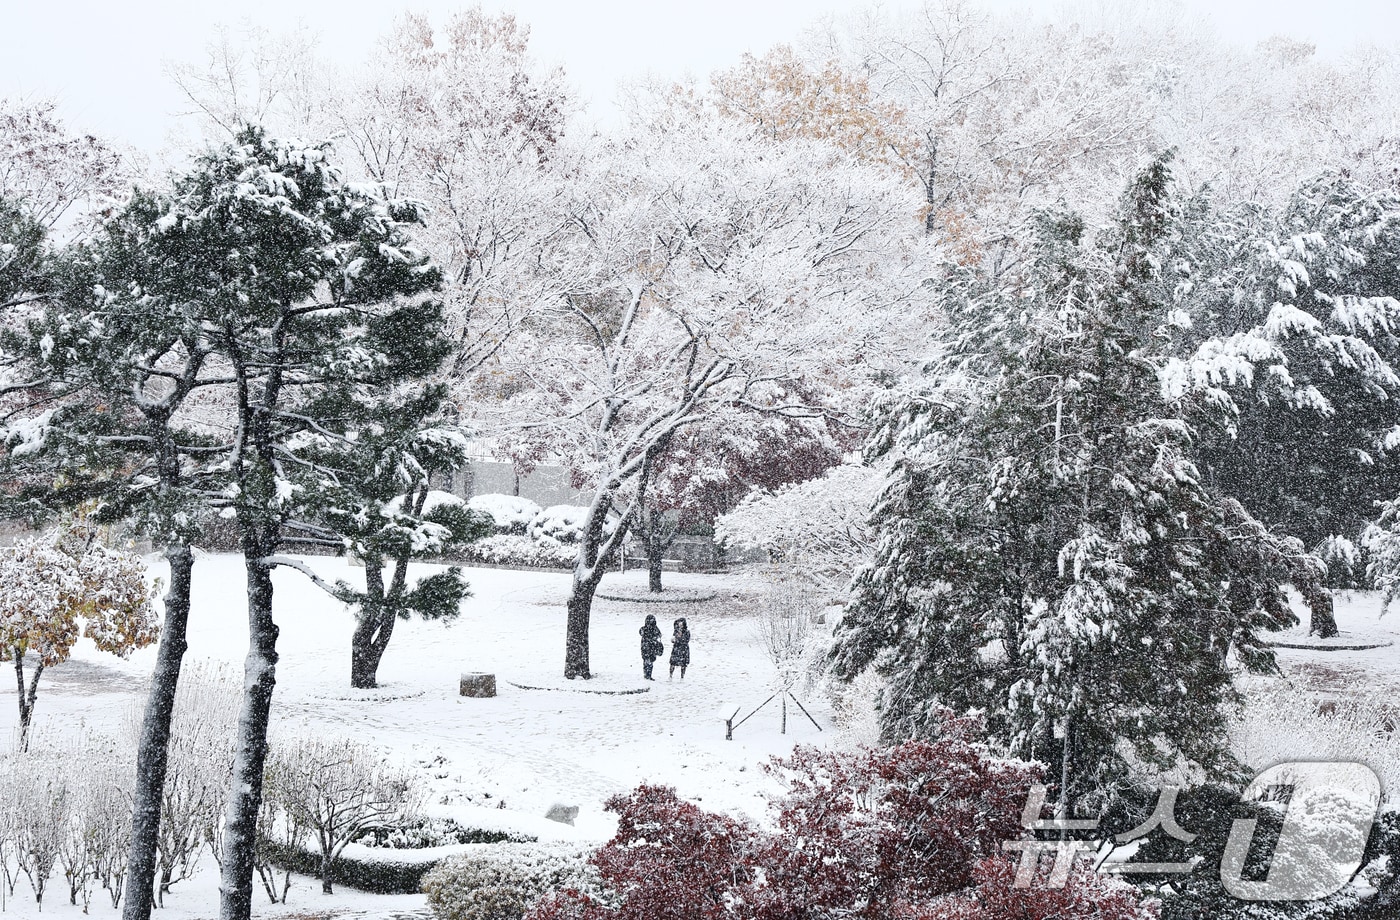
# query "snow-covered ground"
(503, 762)
(494, 762)
(1372, 672)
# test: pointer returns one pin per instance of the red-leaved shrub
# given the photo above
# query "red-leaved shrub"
(912, 832)
(1085, 895)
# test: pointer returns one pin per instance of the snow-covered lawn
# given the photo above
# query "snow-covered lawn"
(501, 763)
(491, 762)
(1372, 672)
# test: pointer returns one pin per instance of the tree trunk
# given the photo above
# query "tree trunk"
(580, 604)
(326, 873)
(152, 756)
(580, 609)
(1323, 623)
(655, 552)
(588, 571)
(657, 542)
(371, 636)
(245, 796)
(1063, 799)
(930, 196)
(367, 645)
(18, 653)
(26, 697)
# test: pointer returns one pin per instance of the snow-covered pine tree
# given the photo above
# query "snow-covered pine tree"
(1306, 299)
(310, 272)
(1047, 552)
(380, 503)
(111, 358)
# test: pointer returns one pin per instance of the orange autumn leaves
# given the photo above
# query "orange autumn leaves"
(791, 98)
(56, 588)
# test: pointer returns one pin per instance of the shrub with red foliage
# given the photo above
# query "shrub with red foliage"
(1085, 895)
(860, 832)
(912, 832)
(672, 861)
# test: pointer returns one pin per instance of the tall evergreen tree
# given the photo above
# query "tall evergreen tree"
(1306, 298)
(1047, 550)
(312, 284)
(110, 356)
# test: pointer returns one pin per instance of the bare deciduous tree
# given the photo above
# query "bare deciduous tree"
(786, 627)
(337, 789)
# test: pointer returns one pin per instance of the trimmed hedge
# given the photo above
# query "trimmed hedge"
(425, 833)
(377, 876)
(373, 876)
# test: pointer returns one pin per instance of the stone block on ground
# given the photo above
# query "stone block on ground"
(478, 685)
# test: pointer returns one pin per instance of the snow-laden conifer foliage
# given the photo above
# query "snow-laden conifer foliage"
(111, 361)
(1047, 551)
(311, 285)
(1296, 320)
(376, 501)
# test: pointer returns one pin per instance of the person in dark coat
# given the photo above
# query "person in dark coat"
(680, 647)
(651, 645)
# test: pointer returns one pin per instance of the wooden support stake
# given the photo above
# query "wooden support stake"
(751, 715)
(805, 712)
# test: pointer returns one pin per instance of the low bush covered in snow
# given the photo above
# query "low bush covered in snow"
(392, 860)
(510, 514)
(561, 523)
(526, 535)
(514, 550)
(502, 882)
(422, 832)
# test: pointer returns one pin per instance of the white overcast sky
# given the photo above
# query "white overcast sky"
(104, 60)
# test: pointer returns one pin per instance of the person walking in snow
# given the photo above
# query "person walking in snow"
(680, 647)
(651, 645)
